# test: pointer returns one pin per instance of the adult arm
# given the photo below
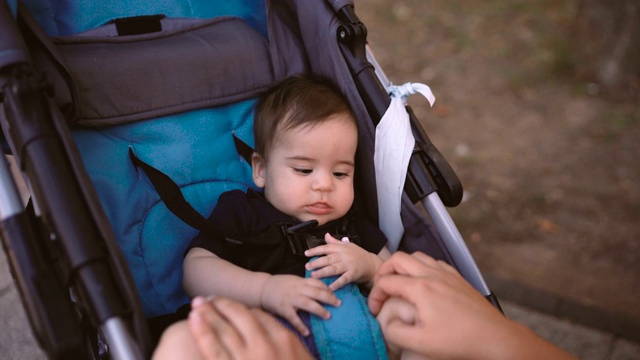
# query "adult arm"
(227, 328)
(441, 316)
(220, 329)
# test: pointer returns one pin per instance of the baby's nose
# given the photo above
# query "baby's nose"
(323, 182)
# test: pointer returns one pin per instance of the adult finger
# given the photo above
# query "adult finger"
(242, 320)
(389, 286)
(285, 343)
(263, 336)
(431, 262)
(206, 338)
(397, 309)
(404, 264)
(424, 258)
(402, 335)
(221, 322)
(448, 268)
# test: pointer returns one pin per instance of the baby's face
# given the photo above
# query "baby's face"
(309, 173)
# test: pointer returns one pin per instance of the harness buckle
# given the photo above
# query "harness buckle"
(298, 237)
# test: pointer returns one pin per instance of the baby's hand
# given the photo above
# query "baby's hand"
(286, 294)
(349, 260)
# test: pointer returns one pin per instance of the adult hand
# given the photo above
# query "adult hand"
(286, 294)
(396, 309)
(350, 261)
(225, 329)
(442, 316)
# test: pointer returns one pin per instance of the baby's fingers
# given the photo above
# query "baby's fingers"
(313, 307)
(318, 250)
(340, 282)
(331, 240)
(295, 321)
(320, 263)
(325, 249)
(317, 290)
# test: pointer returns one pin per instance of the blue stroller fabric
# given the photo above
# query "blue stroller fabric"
(185, 130)
(69, 17)
(195, 149)
(352, 332)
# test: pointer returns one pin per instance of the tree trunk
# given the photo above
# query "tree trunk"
(606, 45)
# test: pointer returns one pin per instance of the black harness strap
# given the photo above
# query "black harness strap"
(171, 195)
(298, 238)
(279, 236)
(243, 148)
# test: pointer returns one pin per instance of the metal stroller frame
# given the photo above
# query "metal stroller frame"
(58, 264)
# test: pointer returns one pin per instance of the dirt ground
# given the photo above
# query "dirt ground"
(549, 165)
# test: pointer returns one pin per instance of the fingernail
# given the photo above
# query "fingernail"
(198, 301)
(306, 252)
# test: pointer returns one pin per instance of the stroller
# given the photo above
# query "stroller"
(128, 120)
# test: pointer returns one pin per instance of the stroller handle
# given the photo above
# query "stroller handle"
(67, 250)
(430, 178)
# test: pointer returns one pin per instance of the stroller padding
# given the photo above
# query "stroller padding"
(177, 98)
(69, 17)
(213, 62)
(196, 149)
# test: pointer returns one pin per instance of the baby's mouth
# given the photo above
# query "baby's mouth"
(319, 208)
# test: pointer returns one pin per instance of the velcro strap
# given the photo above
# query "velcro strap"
(137, 25)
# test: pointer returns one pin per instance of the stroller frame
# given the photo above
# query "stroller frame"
(72, 248)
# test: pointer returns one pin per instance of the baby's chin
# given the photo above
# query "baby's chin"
(320, 219)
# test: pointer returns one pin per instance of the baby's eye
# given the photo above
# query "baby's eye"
(302, 171)
(340, 175)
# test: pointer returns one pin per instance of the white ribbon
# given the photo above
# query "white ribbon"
(393, 147)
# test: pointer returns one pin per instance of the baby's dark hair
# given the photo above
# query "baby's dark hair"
(295, 101)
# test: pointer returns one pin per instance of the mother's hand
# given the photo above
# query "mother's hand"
(225, 329)
(426, 307)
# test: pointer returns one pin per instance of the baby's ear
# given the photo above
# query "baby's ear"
(258, 169)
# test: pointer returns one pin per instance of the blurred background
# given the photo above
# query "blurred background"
(538, 112)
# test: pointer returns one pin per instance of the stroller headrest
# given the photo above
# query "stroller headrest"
(64, 17)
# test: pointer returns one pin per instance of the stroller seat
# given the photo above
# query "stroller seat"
(212, 68)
